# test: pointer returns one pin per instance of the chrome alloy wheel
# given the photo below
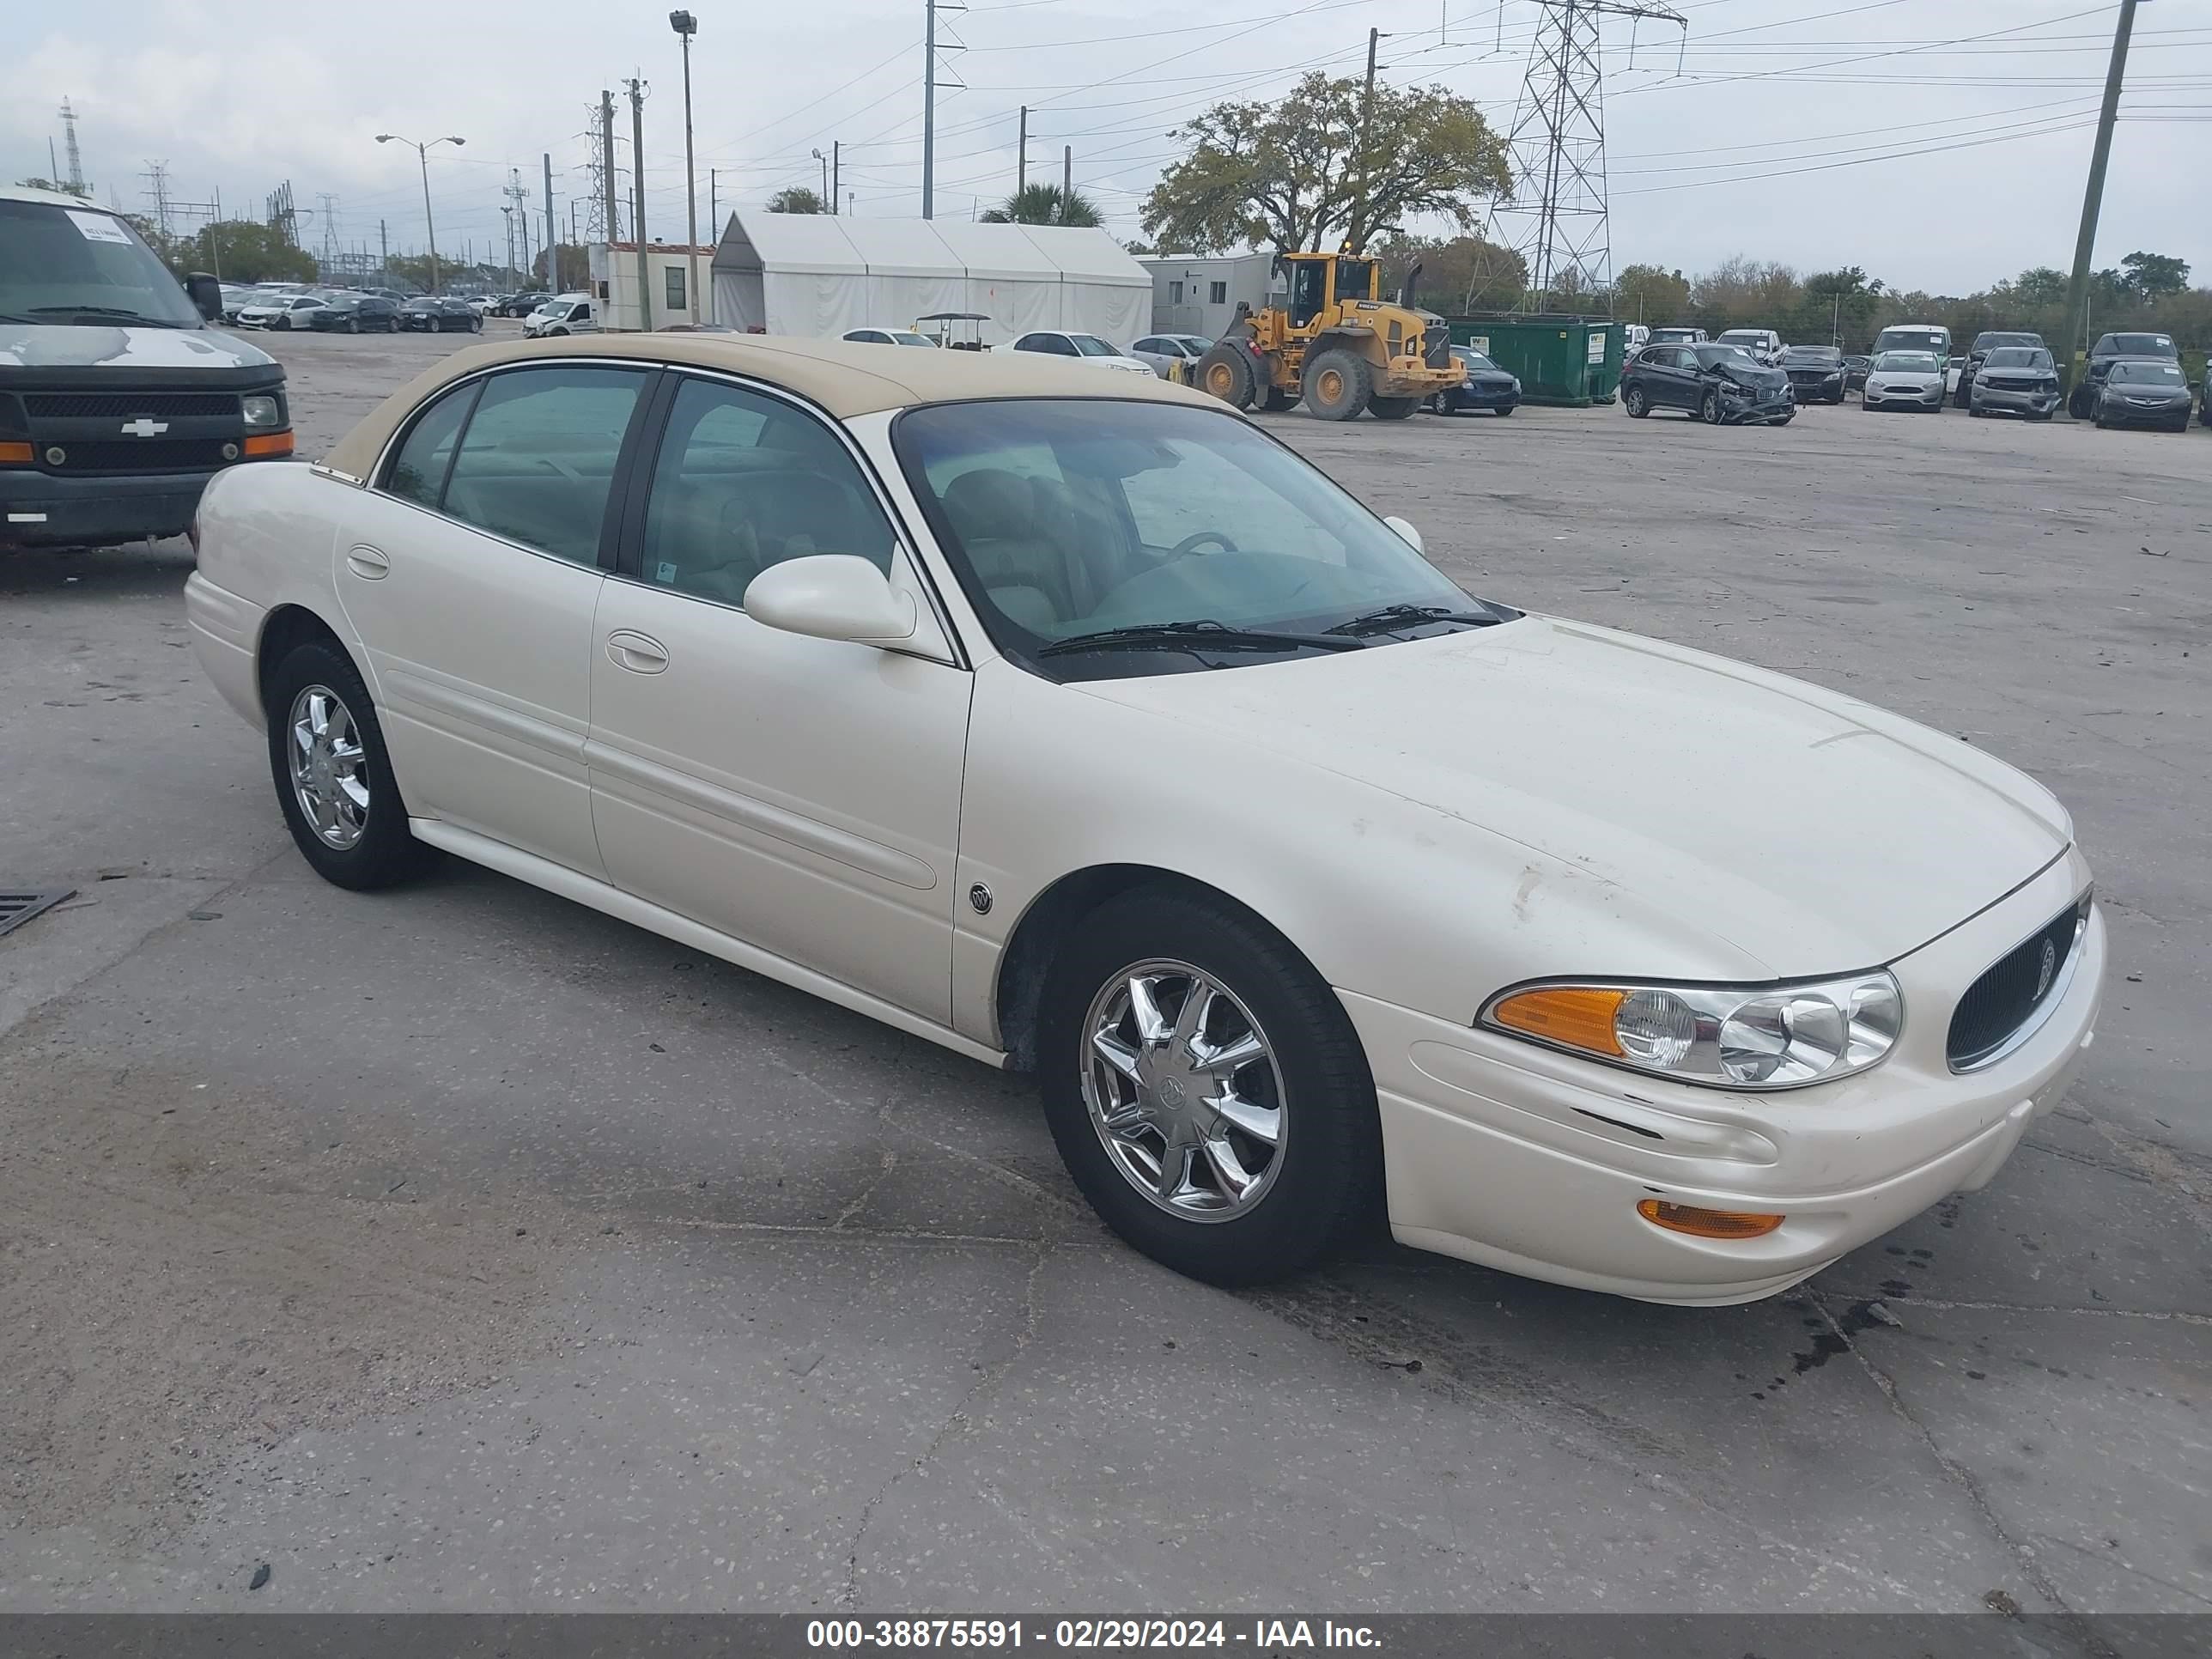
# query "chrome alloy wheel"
(330, 769)
(1183, 1091)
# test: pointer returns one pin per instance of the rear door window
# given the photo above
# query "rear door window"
(418, 472)
(537, 462)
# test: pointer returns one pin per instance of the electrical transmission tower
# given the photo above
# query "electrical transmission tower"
(76, 181)
(1557, 213)
(331, 242)
(283, 217)
(598, 193)
(157, 191)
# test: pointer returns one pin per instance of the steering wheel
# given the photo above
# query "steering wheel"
(1190, 544)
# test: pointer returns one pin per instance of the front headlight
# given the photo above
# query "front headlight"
(261, 411)
(1734, 389)
(1748, 1037)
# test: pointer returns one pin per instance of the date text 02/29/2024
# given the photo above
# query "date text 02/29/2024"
(1125, 1635)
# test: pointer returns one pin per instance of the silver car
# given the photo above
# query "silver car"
(1905, 380)
(2015, 380)
(1164, 352)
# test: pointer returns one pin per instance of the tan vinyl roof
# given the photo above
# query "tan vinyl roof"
(845, 378)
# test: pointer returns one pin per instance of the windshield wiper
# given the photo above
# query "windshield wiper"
(1390, 616)
(103, 311)
(1212, 635)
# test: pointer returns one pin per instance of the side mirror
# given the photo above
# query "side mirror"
(1406, 534)
(832, 596)
(206, 295)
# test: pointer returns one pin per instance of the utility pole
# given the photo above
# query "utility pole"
(713, 207)
(383, 255)
(552, 231)
(928, 108)
(607, 165)
(1067, 179)
(2093, 198)
(1357, 237)
(507, 212)
(836, 172)
(637, 201)
(686, 25)
(1022, 155)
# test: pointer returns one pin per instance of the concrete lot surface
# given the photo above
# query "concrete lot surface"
(459, 1247)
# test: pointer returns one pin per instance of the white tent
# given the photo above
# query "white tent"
(819, 275)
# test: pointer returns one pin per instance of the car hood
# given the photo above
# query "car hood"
(1755, 374)
(40, 345)
(1921, 377)
(1809, 832)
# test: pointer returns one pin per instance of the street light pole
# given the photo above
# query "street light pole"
(686, 25)
(822, 157)
(422, 156)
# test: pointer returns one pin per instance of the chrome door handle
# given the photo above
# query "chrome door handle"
(367, 563)
(639, 653)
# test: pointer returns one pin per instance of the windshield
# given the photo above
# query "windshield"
(1928, 340)
(1066, 517)
(900, 337)
(2018, 357)
(1744, 337)
(1994, 342)
(1907, 363)
(1476, 361)
(2142, 345)
(1712, 352)
(55, 260)
(1811, 355)
(1673, 335)
(2148, 373)
(1091, 346)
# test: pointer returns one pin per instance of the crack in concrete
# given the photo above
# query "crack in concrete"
(2021, 1549)
(988, 1381)
(861, 1199)
(1916, 1300)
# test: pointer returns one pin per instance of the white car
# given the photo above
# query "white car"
(1103, 737)
(1163, 352)
(1086, 349)
(873, 334)
(279, 312)
(567, 314)
(1905, 380)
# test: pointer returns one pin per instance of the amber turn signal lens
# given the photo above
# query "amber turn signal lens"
(263, 445)
(1578, 1017)
(12, 454)
(1707, 1223)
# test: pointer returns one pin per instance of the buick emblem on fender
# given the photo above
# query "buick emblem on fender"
(142, 427)
(2046, 969)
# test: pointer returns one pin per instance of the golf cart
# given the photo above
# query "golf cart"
(955, 331)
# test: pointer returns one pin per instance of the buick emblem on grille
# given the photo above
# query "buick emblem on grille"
(2044, 969)
(142, 427)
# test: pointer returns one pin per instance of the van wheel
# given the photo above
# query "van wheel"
(333, 778)
(1207, 1090)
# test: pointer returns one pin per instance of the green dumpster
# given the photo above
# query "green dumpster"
(1570, 362)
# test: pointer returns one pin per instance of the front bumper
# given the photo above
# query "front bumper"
(1829, 391)
(1483, 397)
(39, 509)
(1501, 1152)
(1926, 398)
(1757, 411)
(2122, 414)
(2004, 400)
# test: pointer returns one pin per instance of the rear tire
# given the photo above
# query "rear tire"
(362, 843)
(1392, 409)
(1318, 1181)
(1338, 386)
(1634, 401)
(1228, 372)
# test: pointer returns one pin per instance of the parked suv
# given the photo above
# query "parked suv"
(2013, 380)
(1987, 341)
(1763, 343)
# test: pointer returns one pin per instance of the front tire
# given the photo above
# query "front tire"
(1206, 1090)
(1709, 411)
(1636, 403)
(1227, 371)
(333, 776)
(1338, 384)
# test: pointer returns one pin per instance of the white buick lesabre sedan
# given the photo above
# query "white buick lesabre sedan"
(1088, 730)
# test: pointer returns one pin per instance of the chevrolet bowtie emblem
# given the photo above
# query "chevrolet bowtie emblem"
(142, 427)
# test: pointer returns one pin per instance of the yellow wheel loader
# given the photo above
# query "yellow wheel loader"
(1333, 343)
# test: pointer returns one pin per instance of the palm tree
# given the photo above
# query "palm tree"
(1044, 204)
(795, 198)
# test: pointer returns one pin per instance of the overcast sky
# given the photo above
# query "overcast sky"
(1814, 132)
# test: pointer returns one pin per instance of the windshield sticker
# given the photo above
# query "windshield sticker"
(98, 226)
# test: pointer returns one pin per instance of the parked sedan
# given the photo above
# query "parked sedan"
(436, 313)
(2110, 348)
(1721, 385)
(2015, 380)
(1854, 372)
(1905, 380)
(356, 313)
(280, 311)
(1674, 1026)
(1817, 373)
(1486, 387)
(1085, 349)
(874, 335)
(521, 305)
(2143, 394)
(1170, 355)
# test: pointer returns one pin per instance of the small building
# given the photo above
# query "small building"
(1197, 293)
(668, 278)
(818, 275)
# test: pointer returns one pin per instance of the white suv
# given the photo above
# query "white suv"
(568, 313)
